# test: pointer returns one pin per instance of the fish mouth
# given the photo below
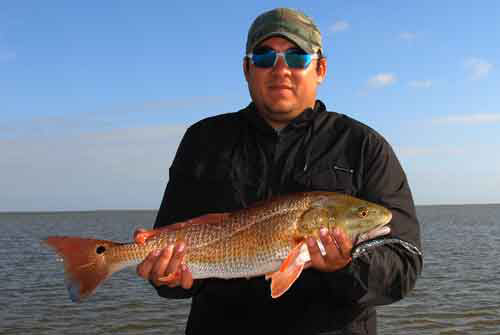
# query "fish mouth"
(380, 230)
(387, 217)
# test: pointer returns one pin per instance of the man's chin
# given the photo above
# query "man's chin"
(282, 116)
(283, 110)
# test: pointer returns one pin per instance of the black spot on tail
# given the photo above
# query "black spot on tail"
(100, 249)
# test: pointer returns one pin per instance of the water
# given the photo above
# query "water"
(458, 292)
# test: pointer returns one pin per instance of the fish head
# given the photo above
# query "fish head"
(355, 216)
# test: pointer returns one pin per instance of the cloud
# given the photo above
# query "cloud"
(468, 119)
(340, 25)
(407, 36)
(420, 83)
(382, 80)
(478, 68)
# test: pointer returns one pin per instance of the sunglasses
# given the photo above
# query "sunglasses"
(295, 59)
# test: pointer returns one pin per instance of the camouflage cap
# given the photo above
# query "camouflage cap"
(289, 23)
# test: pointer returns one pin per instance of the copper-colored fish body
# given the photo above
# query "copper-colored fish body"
(245, 243)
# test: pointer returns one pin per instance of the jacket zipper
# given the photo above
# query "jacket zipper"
(338, 168)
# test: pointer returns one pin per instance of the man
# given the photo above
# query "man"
(285, 141)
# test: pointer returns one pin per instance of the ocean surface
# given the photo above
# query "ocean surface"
(458, 292)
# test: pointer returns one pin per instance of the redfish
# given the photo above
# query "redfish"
(267, 238)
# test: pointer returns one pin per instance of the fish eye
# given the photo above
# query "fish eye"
(363, 212)
(100, 249)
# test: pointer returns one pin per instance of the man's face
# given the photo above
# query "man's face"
(281, 93)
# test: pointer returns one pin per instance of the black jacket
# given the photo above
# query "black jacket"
(229, 161)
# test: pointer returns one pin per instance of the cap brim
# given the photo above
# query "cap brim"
(291, 37)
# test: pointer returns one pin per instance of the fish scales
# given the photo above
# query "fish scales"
(247, 252)
(250, 242)
(256, 243)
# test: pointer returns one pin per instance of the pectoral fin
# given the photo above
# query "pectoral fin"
(288, 273)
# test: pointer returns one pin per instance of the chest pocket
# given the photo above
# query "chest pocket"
(329, 176)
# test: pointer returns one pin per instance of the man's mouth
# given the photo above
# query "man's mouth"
(280, 87)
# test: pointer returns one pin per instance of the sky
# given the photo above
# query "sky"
(95, 95)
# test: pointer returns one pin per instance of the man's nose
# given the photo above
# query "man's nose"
(281, 64)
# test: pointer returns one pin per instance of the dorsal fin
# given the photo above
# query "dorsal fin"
(213, 218)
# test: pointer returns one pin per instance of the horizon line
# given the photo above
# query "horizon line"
(152, 209)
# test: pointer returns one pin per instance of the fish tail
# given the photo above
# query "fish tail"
(85, 263)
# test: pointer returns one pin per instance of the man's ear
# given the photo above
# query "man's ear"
(246, 67)
(321, 69)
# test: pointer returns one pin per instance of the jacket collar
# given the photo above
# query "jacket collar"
(304, 119)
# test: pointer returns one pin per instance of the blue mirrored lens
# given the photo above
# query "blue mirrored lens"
(265, 59)
(298, 60)
(294, 59)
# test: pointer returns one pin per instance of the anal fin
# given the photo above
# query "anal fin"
(290, 270)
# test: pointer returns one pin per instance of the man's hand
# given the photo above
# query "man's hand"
(160, 264)
(337, 247)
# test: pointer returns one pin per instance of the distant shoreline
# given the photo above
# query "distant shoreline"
(49, 212)
(76, 211)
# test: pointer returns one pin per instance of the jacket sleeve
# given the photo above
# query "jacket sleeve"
(180, 190)
(385, 270)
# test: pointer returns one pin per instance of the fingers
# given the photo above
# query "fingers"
(337, 250)
(317, 260)
(164, 267)
(186, 277)
(343, 242)
(159, 269)
(145, 267)
(176, 258)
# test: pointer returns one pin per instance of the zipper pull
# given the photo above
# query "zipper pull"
(338, 168)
